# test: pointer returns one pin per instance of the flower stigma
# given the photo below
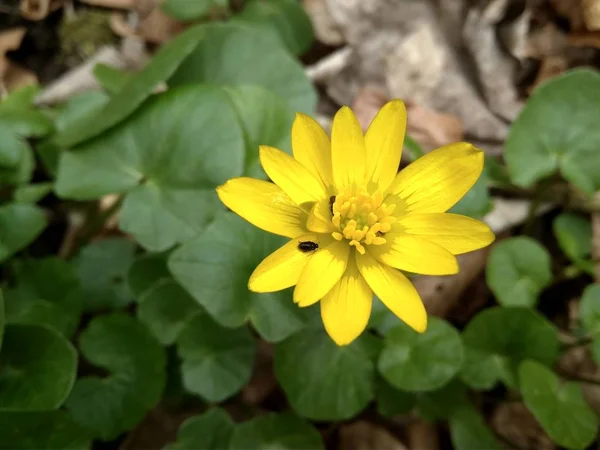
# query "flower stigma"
(361, 218)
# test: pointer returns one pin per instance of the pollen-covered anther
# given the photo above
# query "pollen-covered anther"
(361, 218)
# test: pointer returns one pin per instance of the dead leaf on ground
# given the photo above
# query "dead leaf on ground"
(367, 103)
(432, 129)
(9, 40)
(550, 67)
(515, 423)
(591, 14)
(12, 75)
(423, 435)
(545, 41)
(157, 27)
(112, 4)
(571, 10)
(324, 26)
(263, 381)
(364, 435)
(39, 9)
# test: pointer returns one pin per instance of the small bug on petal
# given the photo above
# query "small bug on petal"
(307, 246)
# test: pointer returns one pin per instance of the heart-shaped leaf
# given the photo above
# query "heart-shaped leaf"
(421, 362)
(19, 226)
(209, 431)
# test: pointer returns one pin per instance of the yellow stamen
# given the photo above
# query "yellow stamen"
(361, 218)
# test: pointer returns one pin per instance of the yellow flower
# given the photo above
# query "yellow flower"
(354, 221)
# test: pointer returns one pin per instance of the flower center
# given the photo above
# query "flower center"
(361, 218)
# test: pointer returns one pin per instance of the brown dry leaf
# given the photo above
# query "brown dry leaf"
(514, 422)
(585, 39)
(263, 381)
(17, 77)
(432, 129)
(545, 41)
(591, 14)
(324, 26)
(423, 435)
(39, 9)
(572, 10)
(112, 4)
(367, 103)
(157, 27)
(364, 435)
(550, 67)
(9, 40)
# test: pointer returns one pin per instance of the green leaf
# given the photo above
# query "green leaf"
(442, 403)
(37, 368)
(21, 98)
(560, 409)
(102, 268)
(266, 120)
(35, 300)
(321, 380)
(12, 149)
(41, 430)
(19, 226)
(185, 10)
(146, 271)
(469, 431)
(209, 431)
(136, 362)
(111, 78)
(392, 401)
(589, 310)
(558, 129)
(168, 169)
(32, 193)
(2, 318)
(518, 270)
(26, 122)
(421, 362)
(574, 235)
(286, 19)
(217, 361)
(225, 255)
(137, 89)
(276, 431)
(500, 337)
(166, 308)
(235, 54)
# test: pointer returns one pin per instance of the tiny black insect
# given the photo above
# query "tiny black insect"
(331, 202)
(307, 246)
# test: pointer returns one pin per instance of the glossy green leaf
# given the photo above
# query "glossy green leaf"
(185, 10)
(574, 235)
(266, 119)
(217, 361)
(32, 193)
(168, 169)
(499, 338)
(12, 149)
(392, 401)
(26, 122)
(558, 130)
(41, 430)
(111, 78)
(2, 318)
(225, 255)
(136, 363)
(286, 19)
(589, 310)
(276, 431)
(37, 368)
(19, 226)
(469, 431)
(146, 271)
(211, 430)
(47, 292)
(560, 409)
(442, 403)
(416, 362)
(235, 54)
(102, 268)
(137, 89)
(518, 270)
(321, 380)
(166, 308)
(21, 98)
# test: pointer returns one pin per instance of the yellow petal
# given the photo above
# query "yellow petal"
(322, 272)
(415, 254)
(384, 140)
(346, 308)
(457, 234)
(291, 176)
(282, 268)
(436, 181)
(348, 152)
(264, 205)
(394, 290)
(311, 147)
(319, 219)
